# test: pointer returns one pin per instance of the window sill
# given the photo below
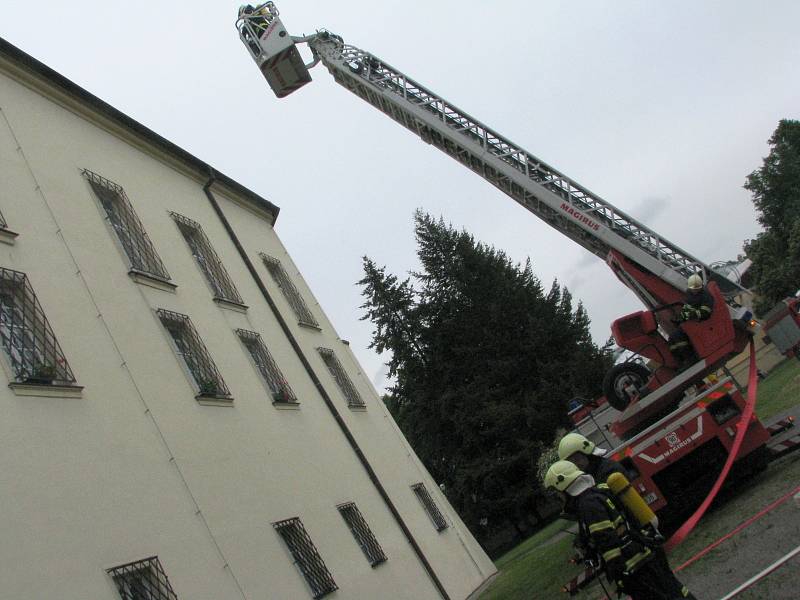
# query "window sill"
(229, 304)
(378, 563)
(152, 281)
(7, 236)
(211, 400)
(286, 405)
(309, 326)
(357, 407)
(46, 390)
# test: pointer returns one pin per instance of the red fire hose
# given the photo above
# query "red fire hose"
(741, 430)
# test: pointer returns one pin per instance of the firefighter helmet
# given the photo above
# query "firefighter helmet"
(695, 282)
(575, 442)
(561, 475)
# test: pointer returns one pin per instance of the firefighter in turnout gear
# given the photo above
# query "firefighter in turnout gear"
(608, 539)
(698, 306)
(590, 459)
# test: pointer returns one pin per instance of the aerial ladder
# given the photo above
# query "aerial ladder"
(666, 412)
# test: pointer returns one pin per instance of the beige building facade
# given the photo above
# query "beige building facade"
(180, 418)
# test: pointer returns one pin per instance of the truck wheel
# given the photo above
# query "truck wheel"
(619, 378)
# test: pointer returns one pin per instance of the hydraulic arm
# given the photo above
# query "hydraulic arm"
(655, 269)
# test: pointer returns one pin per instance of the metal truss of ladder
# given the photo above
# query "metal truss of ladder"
(565, 205)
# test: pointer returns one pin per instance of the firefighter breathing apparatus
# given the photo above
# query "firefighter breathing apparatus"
(633, 501)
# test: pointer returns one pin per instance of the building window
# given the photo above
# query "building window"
(194, 354)
(289, 291)
(306, 557)
(208, 261)
(271, 374)
(126, 225)
(142, 580)
(350, 392)
(26, 335)
(430, 506)
(363, 534)
(6, 236)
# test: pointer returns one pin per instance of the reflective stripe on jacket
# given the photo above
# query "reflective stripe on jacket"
(603, 524)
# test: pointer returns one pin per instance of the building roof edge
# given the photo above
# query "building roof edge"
(25, 60)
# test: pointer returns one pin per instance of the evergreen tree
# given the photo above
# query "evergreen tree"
(484, 363)
(776, 195)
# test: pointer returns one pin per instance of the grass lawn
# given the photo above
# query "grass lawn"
(537, 568)
(780, 390)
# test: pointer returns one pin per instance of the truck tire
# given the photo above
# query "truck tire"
(619, 377)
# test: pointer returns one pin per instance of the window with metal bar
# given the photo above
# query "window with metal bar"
(3, 224)
(430, 506)
(194, 354)
(207, 260)
(142, 580)
(127, 226)
(342, 379)
(270, 373)
(363, 534)
(306, 557)
(289, 291)
(26, 335)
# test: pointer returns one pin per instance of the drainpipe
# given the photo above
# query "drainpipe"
(318, 384)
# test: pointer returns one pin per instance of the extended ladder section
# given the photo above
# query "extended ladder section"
(556, 199)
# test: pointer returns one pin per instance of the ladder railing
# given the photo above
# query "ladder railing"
(589, 220)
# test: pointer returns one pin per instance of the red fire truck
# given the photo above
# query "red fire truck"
(782, 326)
(673, 436)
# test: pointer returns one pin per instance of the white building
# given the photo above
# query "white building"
(181, 419)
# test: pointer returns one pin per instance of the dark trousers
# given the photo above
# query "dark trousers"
(680, 347)
(654, 580)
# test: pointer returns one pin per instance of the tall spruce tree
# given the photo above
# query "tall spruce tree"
(776, 195)
(483, 363)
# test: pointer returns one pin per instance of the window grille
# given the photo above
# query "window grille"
(26, 335)
(193, 351)
(430, 506)
(276, 382)
(289, 291)
(207, 259)
(350, 392)
(127, 226)
(3, 224)
(306, 556)
(363, 534)
(142, 580)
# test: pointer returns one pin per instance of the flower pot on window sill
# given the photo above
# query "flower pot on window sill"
(42, 375)
(282, 397)
(39, 380)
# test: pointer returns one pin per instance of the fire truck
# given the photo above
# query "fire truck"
(782, 326)
(669, 426)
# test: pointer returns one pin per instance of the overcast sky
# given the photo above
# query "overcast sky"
(661, 108)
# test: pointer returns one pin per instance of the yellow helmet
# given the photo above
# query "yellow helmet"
(695, 282)
(575, 442)
(560, 475)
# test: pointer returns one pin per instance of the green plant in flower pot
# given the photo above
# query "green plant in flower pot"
(208, 387)
(42, 373)
(282, 395)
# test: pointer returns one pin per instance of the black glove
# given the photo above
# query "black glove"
(615, 569)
